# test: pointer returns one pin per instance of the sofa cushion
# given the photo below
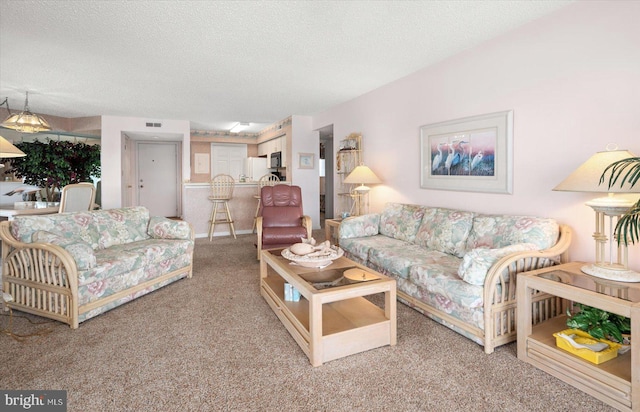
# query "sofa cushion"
(445, 230)
(111, 262)
(398, 258)
(120, 226)
(81, 252)
(360, 247)
(401, 221)
(154, 251)
(79, 226)
(443, 280)
(477, 262)
(360, 226)
(120, 259)
(498, 231)
(106, 286)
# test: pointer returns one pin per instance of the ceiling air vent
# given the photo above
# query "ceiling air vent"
(154, 124)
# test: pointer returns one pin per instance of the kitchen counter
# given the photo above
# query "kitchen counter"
(197, 208)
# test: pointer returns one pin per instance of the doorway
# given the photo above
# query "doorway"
(158, 177)
(326, 181)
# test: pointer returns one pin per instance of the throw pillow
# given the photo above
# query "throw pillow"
(163, 228)
(80, 251)
(476, 263)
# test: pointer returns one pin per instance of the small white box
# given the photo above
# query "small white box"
(288, 292)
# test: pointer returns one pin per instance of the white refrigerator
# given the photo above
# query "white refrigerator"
(256, 167)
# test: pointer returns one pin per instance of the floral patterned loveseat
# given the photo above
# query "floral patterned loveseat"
(74, 266)
(456, 267)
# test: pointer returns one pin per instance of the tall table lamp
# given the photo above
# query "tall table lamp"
(361, 176)
(586, 178)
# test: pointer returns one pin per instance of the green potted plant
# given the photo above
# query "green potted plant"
(599, 323)
(55, 164)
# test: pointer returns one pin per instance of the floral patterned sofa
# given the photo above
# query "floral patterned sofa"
(74, 266)
(456, 267)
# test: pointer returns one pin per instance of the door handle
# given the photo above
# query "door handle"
(141, 186)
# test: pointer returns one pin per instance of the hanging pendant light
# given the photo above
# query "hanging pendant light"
(26, 122)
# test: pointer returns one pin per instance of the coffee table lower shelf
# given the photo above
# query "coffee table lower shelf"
(348, 323)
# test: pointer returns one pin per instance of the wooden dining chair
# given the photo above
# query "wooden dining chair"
(77, 197)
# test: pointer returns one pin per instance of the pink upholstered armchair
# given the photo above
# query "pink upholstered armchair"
(281, 221)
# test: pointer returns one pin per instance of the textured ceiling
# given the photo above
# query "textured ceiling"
(216, 63)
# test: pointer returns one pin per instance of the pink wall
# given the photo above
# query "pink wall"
(573, 81)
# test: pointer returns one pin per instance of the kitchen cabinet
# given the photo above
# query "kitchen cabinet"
(278, 144)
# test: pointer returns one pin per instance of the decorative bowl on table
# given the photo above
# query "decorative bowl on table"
(312, 260)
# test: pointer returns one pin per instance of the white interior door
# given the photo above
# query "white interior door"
(158, 178)
(228, 159)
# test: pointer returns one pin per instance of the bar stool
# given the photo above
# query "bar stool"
(266, 180)
(221, 193)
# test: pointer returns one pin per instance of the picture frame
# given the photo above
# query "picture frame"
(471, 154)
(306, 160)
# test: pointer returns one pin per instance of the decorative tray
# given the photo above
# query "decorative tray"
(320, 261)
(582, 338)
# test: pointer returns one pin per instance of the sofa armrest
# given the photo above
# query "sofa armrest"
(39, 269)
(501, 284)
(505, 270)
(359, 226)
(80, 251)
(164, 228)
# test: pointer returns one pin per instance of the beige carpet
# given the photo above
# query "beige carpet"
(212, 343)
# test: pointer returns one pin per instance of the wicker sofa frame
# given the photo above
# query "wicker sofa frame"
(499, 307)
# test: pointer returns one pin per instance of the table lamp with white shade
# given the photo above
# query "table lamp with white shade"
(8, 150)
(586, 178)
(361, 176)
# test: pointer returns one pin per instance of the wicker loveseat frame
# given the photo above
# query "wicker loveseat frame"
(43, 278)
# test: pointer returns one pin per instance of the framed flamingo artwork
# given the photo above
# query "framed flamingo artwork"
(473, 154)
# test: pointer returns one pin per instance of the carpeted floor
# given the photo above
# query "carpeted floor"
(211, 343)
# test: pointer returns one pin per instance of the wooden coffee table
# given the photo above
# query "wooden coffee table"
(330, 322)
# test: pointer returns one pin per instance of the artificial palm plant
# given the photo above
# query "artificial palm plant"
(625, 171)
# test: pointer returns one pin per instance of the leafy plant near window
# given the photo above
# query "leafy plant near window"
(599, 323)
(55, 164)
